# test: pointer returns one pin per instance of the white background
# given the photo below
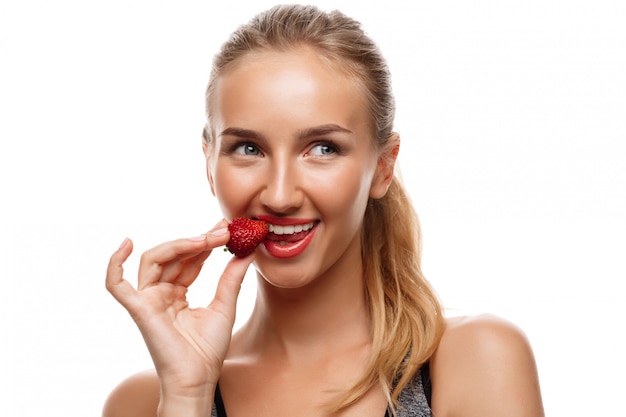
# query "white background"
(513, 120)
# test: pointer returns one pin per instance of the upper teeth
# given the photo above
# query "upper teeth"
(289, 230)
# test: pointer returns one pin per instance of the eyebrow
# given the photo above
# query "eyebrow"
(242, 133)
(322, 130)
(303, 134)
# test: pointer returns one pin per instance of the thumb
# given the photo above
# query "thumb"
(229, 285)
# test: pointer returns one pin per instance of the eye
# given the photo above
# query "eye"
(323, 149)
(247, 149)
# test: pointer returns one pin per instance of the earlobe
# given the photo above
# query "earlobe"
(207, 158)
(385, 167)
(210, 178)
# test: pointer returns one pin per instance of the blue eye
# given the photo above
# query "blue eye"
(323, 149)
(247, 149)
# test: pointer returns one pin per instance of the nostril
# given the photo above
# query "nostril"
(281, 201)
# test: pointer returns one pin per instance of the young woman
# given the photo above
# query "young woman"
(300, 135)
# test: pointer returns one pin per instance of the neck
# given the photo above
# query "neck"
(328, 315)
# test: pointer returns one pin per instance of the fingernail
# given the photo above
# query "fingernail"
(218, 224)
(124, 243)
(197, 238)
(220, 232)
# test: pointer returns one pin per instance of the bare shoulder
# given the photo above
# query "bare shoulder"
(484, 366)
(136, 396)
(484, 331)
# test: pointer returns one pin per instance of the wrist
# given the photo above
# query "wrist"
(187, 406)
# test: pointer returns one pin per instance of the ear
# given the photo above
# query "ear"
(206, 149)
(385, 167)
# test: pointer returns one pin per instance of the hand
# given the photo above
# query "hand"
(187, 345)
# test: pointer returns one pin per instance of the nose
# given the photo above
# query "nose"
(282, 192)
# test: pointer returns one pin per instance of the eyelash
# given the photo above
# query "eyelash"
(240, 148)
(328, 145)
(246, 146)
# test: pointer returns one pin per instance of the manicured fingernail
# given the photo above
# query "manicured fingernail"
(219, 232)
(197, 238)
(124, 243)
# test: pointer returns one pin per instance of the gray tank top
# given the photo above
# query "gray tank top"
(414, 400)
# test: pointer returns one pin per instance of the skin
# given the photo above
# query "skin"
(308, 333)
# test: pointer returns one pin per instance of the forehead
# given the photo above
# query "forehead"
(297, 81)
(313, 56)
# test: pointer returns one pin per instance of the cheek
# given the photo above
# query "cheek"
(343, 194)
(232, 190)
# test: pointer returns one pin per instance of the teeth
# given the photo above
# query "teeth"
(289, 230)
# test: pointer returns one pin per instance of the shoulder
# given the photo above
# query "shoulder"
(136, 396)
(487, 366)
(484, 333)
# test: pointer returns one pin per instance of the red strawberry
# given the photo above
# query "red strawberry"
(246, 235)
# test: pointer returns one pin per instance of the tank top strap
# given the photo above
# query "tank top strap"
(218, 403)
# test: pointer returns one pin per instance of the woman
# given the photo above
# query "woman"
(300, 135)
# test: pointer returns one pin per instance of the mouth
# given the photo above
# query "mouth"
(288, 234)
(289, 241)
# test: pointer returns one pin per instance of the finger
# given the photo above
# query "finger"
(165, 262)
(115, 283)
(187, 269)
(229, 285)
(183, 272)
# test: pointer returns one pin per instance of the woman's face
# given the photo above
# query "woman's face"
(293, 147)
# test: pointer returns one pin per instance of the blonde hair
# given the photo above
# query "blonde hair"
(406, 315)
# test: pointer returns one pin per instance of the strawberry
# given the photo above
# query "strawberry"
(246, 235)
